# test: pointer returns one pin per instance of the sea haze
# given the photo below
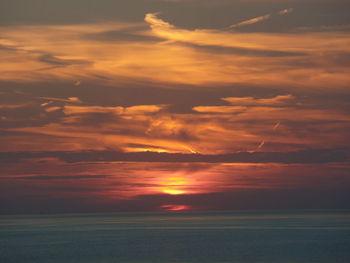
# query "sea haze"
(250, 236)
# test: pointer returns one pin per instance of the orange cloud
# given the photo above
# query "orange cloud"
(219, 109)
(251, 21)
(175, 56)
(133, 110)
(278, 100)
(211, 130)
(293, 63)
(69, 100)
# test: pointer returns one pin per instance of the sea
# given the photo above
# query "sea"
(215, 237)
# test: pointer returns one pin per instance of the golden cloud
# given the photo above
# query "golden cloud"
(196, 57)
(278, 100)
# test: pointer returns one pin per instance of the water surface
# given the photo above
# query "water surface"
(264, 236)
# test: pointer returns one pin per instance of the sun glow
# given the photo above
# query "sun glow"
(171, 191)
(157, 150)
(174, 186)
(175, 207)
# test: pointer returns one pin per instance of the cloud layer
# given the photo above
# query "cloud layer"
(161, 111)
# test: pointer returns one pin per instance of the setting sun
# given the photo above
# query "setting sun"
(174, 186)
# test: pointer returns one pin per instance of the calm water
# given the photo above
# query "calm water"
(293, 237)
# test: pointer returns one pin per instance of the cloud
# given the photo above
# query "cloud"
(249, 52)
(54, 177)
(15, 106)
(52, 109)
(251, 21)
(333, 28)
(57, 61)
(121, 107)
(259, 147)
(207, 130)
(68, 100)
(205, 91)
(199, 57)
(115, 185)
(276, 125)
(133, 110)
(126, 35)
(219, 109)
(286, 11)
(295, 1)
(303, 156)
(157, 23)
(279, 100)
(261, 18)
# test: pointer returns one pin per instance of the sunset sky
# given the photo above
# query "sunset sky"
(172, 105)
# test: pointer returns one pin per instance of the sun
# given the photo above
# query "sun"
(171, 191)
(174, 186)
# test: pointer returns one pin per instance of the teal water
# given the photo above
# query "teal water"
(259, 237)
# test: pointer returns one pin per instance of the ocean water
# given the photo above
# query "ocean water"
(259, 237)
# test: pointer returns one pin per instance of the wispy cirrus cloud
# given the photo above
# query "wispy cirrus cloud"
(208, 129)
(261, 18)
(174, 56)
(294, 65)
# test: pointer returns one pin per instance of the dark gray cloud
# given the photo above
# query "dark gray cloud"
(56, 177)
(4, 47)
(303, 157)
(186, 14)
(340, 59)
(247, 199)
(180, 97)
(250, 199)
(122, 36)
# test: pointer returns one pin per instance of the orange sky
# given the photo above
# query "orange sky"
(238, 78)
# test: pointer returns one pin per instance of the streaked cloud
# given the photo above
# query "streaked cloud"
(251, 21)
(302, 156)
(134, 110)
(209, 129)
(262, 18)
(130, 186)
(278, 100)
(174, 57)
(69, 99)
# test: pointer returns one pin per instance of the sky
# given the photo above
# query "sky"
(174, 105)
